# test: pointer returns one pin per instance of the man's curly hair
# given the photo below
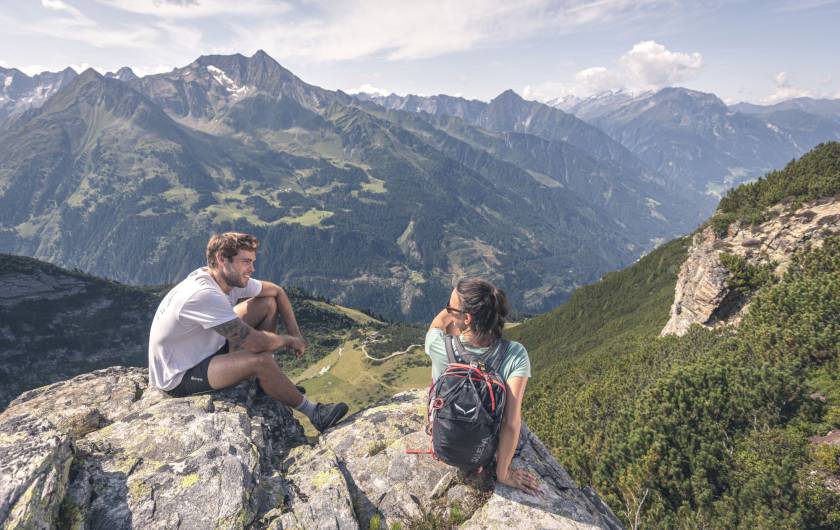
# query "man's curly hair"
(229, 244)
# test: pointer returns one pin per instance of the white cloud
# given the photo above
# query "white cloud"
(79, 68)
(60, 5)
(416, 30)
(597, 79)
(186, 9)
(784, 90)
(548, 90)
(88, 32)
(369, 89)
(33, 69)
(804, 5)
(649, 65)
(143, 71)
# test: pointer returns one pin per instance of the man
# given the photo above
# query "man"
(202, 340)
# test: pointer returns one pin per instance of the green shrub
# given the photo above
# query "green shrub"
(710, 428)
(815, 175)
(746, 278)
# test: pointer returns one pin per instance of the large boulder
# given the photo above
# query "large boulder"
(104, 451)
(389, 485)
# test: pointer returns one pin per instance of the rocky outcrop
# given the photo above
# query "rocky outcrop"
(832, 439)
(701, 294)
(104, 451)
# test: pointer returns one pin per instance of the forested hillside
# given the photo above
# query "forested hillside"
(708, 430)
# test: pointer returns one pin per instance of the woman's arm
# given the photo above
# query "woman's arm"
(444, 321)
(509, 438)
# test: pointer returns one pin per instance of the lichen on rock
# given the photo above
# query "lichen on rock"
(104, 451)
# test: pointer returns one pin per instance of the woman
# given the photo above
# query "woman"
(476, 312)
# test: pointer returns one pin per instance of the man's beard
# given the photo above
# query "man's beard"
(233, 279)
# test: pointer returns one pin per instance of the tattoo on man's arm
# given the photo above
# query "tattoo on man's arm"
(235, 331)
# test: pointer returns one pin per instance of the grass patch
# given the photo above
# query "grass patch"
(376, 448)
(312, 217)
(374, 185)
(359, 383)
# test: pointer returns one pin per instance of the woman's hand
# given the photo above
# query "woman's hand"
(520, 479)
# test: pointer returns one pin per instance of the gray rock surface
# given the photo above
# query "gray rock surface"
(104, 451)
(34, 465)
(701, 295)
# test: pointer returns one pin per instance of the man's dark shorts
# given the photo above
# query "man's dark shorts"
(195, 379)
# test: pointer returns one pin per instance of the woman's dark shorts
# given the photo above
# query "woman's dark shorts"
(195, 379)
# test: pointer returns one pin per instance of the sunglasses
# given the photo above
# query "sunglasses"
(455, 311)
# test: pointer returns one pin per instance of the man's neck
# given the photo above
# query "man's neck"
(214, 273)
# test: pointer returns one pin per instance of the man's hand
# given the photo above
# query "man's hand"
(298, 344)
(520, 479)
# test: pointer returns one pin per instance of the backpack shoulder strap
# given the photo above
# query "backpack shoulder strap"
(459, 346)
(450, 350)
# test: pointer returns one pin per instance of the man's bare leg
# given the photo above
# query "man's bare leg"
(259, 313)
(230, 368)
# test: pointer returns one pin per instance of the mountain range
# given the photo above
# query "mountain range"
(695, 138)
(370, 207)
(373, 202)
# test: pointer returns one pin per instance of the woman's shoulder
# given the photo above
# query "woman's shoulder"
(434, 334)
(516, 346)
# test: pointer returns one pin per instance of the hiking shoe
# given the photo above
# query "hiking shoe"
(327, 414)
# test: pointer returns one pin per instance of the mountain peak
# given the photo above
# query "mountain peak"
(89, 74)
(508, 94)
(123, 74)
(673, 92)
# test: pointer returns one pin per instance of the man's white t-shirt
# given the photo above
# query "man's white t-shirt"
(181, 336)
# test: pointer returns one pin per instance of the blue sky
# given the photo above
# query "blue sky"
(758, 51)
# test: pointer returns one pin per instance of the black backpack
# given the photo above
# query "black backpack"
(466, 406)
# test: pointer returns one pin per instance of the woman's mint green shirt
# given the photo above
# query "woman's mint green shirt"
(516, 363)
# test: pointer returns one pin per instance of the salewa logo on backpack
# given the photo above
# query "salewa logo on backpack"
(462, 411)
(480, 450)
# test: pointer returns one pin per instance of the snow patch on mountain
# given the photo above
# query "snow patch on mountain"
(227, 83)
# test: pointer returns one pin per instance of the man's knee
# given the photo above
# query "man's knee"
(262, 362)
(270, 304)
(265, 307)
